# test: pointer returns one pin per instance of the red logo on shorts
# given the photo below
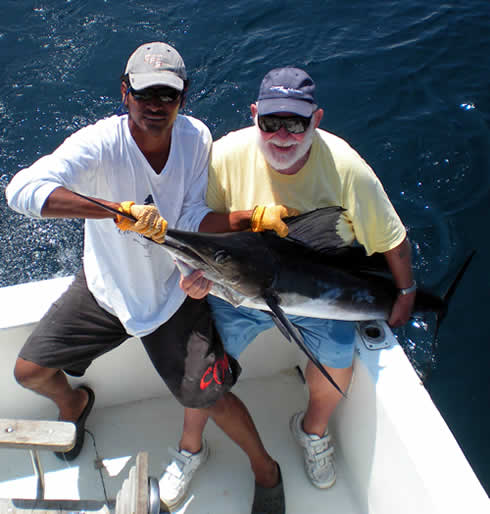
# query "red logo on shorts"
(215, 373)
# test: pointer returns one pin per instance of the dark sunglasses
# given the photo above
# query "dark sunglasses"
(164, 94)
(294, 124)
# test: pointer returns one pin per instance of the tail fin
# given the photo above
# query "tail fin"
(446, 297)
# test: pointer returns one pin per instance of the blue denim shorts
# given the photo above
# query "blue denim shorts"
(331, 341)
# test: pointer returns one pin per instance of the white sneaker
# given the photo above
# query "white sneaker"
(318, 453)
(177, 476)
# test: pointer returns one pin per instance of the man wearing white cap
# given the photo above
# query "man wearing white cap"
(286, 159)
(157, 159)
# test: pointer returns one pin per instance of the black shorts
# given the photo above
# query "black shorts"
(186, 350)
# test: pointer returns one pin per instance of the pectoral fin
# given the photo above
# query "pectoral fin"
(282, 328)
(290, 331)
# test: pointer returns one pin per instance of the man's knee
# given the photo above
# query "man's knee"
(30, 375)
(319, 386)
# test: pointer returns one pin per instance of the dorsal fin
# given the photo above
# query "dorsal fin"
(318, 230)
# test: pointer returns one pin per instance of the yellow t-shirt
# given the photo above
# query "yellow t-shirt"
(335, 174)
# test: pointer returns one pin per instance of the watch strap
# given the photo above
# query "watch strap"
(408, 290)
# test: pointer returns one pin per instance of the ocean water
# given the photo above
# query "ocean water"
(405, 82)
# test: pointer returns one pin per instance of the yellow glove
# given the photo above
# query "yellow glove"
(148, 221)
(270, 218)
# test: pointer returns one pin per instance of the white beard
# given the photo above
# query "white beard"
(282, 161)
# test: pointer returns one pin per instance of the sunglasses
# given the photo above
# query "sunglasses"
(166, 95)
(293, 124)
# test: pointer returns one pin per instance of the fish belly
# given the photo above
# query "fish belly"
(322, 308)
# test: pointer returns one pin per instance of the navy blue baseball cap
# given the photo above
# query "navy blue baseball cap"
(287, 90)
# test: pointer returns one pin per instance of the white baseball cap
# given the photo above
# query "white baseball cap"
(156, 64)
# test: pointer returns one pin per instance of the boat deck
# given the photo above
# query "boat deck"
(225, 483)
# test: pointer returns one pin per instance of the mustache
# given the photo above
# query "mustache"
(280, 142)
(159, 114)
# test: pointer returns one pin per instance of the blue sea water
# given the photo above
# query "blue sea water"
(405, 82)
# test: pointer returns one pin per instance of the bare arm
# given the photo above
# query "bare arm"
(229, 222)
(259, 219)
(400, 263)
(62, 203)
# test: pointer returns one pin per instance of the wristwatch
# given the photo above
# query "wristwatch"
(408, 290)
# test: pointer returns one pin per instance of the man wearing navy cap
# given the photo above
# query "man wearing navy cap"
(286, 160)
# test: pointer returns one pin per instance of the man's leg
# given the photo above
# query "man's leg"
(238, 327)
(192, 432)
(323, 397)
(73, 332)
(53, 384)
(230, 414)
(187, 362)
(310, 428)
(332, 343)
(232, 417)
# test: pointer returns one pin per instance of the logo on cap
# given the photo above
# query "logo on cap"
(157, 61)
(286, 90)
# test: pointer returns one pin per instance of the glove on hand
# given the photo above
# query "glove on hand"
(270, 218)
(148, 221)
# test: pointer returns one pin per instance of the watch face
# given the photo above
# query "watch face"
(409, 290)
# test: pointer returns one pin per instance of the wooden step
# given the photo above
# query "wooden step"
(56, 436)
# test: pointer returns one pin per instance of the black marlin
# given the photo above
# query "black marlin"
(308, 273)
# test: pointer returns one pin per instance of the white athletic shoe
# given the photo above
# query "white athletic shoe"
(177, 476)
(318, 453)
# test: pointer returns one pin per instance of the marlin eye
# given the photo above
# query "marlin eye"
(221, 257)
